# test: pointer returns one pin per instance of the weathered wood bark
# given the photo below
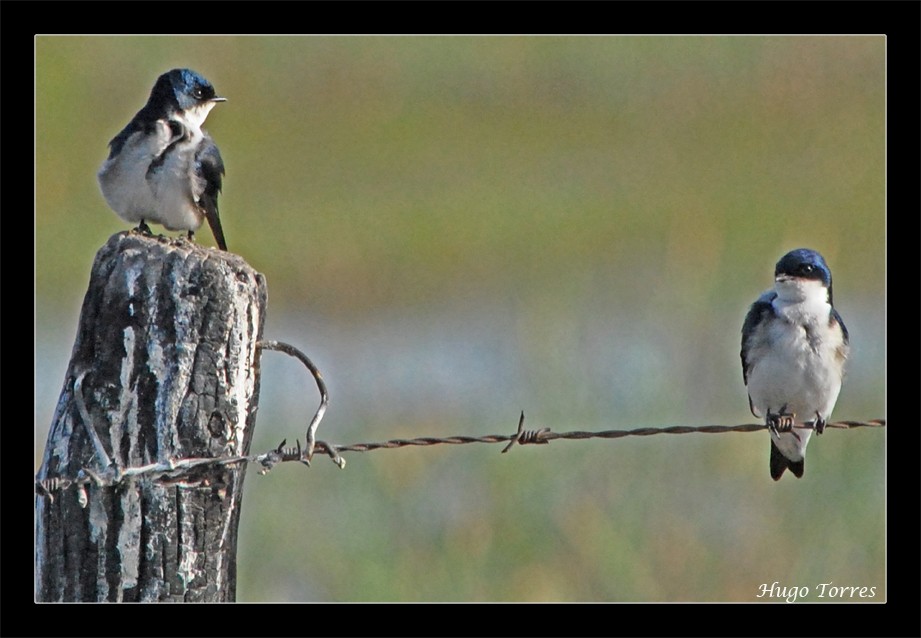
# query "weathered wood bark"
(166, 367)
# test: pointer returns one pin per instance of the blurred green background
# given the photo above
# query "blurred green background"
(458, 228)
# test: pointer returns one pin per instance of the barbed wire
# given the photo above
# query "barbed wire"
(282, 454)
(108, 474)
(545, 435)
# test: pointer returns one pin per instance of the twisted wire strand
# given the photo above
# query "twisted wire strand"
(47, 487)
(546, 435)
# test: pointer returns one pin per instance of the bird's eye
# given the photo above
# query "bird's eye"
(197, 94)
(808, 268)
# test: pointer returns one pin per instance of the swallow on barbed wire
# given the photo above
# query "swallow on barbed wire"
(794, 349)
(162, 167)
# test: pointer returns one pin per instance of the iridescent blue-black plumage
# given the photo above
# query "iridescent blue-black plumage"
(162, 166)
(794, 348)
(211, 167)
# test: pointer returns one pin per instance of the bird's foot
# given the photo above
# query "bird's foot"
(144, 229)
(781, 421)
(819, 424)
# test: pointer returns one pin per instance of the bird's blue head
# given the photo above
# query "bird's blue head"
(801, 266)
(183, 90)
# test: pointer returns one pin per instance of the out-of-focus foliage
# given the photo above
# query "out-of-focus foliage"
(459, 228)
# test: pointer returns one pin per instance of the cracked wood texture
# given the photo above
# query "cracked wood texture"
(166, 349)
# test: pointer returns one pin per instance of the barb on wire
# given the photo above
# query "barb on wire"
(278, 455)
(290, 350)
(527, 436)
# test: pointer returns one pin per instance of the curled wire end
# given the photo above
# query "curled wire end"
(304, 455)
(333, 453)
(527, 436)
(321, 386)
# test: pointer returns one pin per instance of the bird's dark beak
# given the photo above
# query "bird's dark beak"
(219, 99)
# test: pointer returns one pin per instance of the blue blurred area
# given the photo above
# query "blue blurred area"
(456, 229)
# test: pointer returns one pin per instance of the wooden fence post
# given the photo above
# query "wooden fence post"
(165, 367)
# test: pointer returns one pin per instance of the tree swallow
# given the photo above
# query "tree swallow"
(163, 167)
(794, 346)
